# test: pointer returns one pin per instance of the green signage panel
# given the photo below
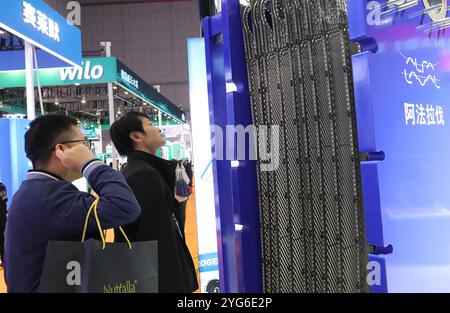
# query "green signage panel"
(93, 71)
(91, 132)
(130, 80)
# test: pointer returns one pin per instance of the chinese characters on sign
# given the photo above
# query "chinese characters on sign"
(422, 72)
(130, 79)
(420, 115)
(40, 21)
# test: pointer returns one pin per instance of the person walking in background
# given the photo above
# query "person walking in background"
(181, 194)
(153, 181)
(3, 214)
(188, 167)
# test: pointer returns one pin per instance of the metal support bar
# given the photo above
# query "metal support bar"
(31, 110)
(112, 115)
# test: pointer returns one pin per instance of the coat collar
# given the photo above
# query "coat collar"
(164, 167)
(136, 154)
(39, 174)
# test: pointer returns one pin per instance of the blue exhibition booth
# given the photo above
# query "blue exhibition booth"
(401, 77)
(56, 44)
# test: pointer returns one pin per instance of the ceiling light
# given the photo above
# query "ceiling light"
(126, 92)
(83, 101)
(115, 87)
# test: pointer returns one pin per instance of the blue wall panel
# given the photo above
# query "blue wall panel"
(402, 88)
(14, 164)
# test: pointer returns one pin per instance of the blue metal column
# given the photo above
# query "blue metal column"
(236, 191)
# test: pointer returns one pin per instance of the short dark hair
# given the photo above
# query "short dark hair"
(122, 128)
(45, 132)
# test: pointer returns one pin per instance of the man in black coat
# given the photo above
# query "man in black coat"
(153, 181)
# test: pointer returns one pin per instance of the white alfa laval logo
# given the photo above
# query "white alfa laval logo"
(422, 72)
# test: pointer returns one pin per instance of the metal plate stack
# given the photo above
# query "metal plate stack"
(300, 77)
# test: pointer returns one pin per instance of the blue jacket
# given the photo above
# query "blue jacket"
(47, 208)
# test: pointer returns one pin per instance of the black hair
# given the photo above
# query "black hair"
(122, 128)
(44, 133)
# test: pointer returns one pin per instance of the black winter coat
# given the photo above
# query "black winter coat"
(152, 180)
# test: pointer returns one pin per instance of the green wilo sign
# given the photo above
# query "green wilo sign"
(87, 72)
(93, 71)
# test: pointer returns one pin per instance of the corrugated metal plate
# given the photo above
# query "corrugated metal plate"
(311, 209)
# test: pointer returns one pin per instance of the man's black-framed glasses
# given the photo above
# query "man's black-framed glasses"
(86, 142)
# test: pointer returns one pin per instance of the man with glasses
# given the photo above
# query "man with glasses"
(85, 141)
(48, 207)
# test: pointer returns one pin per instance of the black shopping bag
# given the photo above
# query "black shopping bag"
(97, 267)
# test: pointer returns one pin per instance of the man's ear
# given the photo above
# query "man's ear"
(136, 136)
(59, 147)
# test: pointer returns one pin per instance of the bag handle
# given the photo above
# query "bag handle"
(94, 208)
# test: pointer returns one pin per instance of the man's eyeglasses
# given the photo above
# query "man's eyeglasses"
(86, 142)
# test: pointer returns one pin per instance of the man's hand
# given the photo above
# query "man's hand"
(74, 158)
